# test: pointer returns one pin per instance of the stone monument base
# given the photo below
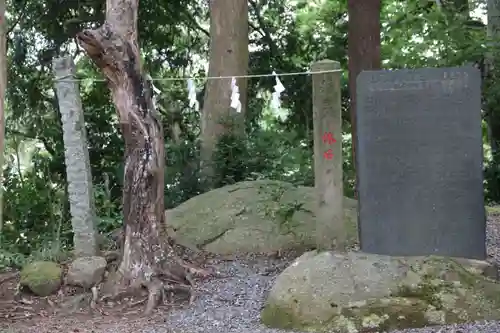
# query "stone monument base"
(359, 292)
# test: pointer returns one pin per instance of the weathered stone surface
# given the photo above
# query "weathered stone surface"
(86, 271)
(43, 278)
(249, 217)
(358, 292)
(419, 160)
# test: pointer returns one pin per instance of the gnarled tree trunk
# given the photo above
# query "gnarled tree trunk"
(148, 259)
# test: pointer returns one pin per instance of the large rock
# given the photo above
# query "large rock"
(86, 272)
(249, 217)
(357, 292)
(43, 278)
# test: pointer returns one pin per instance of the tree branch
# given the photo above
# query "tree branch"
(264, 32)
(19, 18)
(195, 24)
(46, 144)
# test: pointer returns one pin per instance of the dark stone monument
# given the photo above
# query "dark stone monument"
(420, 162)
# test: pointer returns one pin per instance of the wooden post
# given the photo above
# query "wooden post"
(77, 158)
(330, 226)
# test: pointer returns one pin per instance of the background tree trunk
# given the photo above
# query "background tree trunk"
(492, 70)
(78, 173)
(228, 56)
(363, 49)
(147, 256)
(3, 87)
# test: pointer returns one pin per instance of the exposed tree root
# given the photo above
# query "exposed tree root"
(95, 295)
(165, 283)
(193, 270)
(161, 287)
(133, 304)
(154, 296)
(9, 277)
(167, 287)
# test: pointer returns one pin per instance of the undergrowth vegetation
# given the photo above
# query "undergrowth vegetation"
(277, 145)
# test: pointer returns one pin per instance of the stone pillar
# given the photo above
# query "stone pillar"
(77, 158)
(328, 175)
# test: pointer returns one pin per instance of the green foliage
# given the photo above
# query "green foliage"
(268, 154)
(230, 159)
(280, 156)
(10, 259)
(182, 173)
(491, 128)
(285, 36)
(33, 207)
(492, 179)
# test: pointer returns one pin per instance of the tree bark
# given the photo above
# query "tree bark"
(363, 49)
(148, 260)
(492, 70)
(228, 56)
(78, 173)
(3, 87)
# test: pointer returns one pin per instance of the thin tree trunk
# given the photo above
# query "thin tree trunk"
(78, 173)
(3, 87)
(228, 56)
(363, 49)
(148, 259)
(492, 70)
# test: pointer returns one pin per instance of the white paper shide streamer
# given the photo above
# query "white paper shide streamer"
(235, 96)
(275, 97)
(193, 101)
(156, 91)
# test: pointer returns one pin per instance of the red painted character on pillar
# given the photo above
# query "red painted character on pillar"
(329, 139)
(328, 155)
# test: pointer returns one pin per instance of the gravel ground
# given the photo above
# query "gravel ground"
(233, 303)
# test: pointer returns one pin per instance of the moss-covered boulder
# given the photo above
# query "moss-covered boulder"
(252, 217)
(43, 278)
(357, 292)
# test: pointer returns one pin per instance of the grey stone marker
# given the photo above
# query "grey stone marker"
(419, 162)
